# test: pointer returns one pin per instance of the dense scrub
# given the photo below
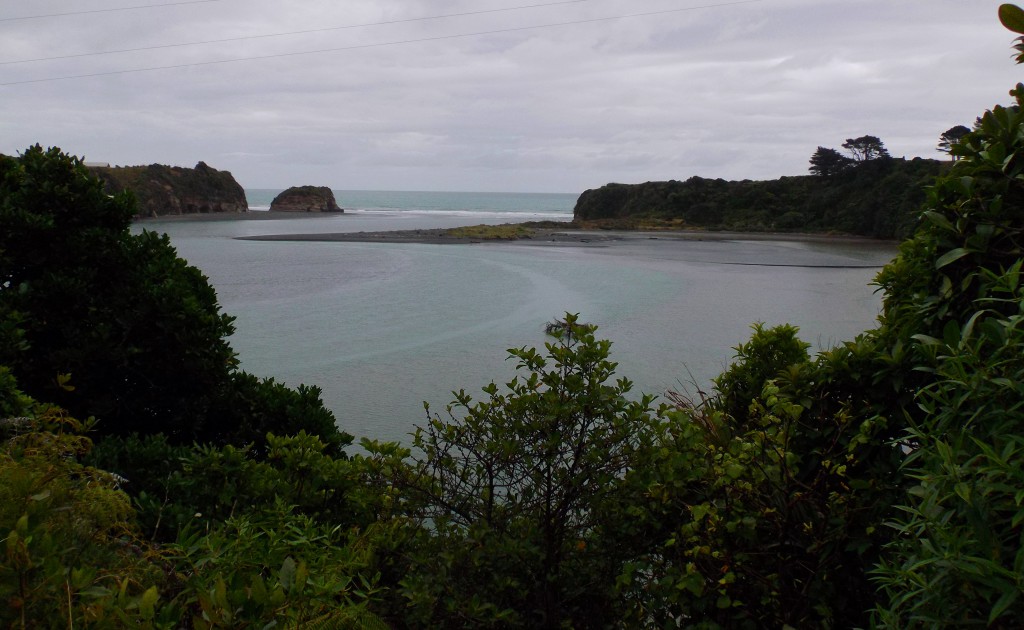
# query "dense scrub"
(878, 198)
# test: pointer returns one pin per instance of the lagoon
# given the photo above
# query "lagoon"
(383, 327)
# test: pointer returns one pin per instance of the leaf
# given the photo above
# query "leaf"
(287, 573)
(1012, 17)
(939, 220)
(62, 382)
(926, 340)
(1007, 600)
(148, 602)
(969, 327)
(951, 256)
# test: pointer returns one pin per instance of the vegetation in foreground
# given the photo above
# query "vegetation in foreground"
(875, 484)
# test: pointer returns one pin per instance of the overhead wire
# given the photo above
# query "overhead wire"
(110, 10)
(436, 38)
(288, 33)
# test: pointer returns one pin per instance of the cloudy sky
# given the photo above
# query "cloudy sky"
(493, 95)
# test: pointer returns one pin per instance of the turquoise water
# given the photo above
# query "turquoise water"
(381, 328)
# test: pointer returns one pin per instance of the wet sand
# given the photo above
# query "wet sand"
(548, 236)
(538, 236)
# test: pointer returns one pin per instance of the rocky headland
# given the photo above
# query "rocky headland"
(173, 190)
(306, 199)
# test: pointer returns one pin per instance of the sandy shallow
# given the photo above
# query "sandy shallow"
(547, 236)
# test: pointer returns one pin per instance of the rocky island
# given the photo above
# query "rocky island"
(172, 190)
(305, 199)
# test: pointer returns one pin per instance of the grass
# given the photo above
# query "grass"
(507, 232)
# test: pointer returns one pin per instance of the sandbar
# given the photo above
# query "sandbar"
(561, 237)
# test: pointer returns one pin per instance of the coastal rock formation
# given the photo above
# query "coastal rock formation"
(306, 199)
(167, 190)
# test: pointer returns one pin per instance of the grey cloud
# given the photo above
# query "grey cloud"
(738, 92)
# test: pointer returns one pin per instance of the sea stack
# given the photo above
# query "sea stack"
(306, 199)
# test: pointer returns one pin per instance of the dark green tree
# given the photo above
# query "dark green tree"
(866, 148)
(117, 326)
(514, 487)
(827, 162)
(950, 137)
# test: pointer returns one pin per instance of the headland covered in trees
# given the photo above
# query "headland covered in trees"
(875, 484)
(877, 198)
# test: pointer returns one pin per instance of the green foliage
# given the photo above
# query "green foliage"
(1012, 18)
(769, 352)
(866, 148)
(954, 298)
(117, 326)
(764, 505)
(950, 137)
(137, 328)
(70, 554)
(174, 486)
(878, 198)
(513, 488)
(827, 162)
(507, 232)
(252, 407)
(277, 569)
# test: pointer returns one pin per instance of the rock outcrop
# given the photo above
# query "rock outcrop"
(167, 190)
(306, 199)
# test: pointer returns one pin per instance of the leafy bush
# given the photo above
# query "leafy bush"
(70, 551)
(955, 298)
(513, 488)
(766, 512)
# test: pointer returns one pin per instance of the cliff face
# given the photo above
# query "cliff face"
(306, 199)
(162, 190)
(879, 199)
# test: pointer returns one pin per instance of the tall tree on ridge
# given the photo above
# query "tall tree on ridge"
(950, 137)
(866, 148)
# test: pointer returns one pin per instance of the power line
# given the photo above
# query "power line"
(303, 32)
(112, 10)
(376, 45)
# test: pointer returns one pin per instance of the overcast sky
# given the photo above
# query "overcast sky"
(734, 90)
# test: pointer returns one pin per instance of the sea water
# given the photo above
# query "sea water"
(382, 328)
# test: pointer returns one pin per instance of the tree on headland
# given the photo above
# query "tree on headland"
(866, 148)
(950, 137)
(827, 162)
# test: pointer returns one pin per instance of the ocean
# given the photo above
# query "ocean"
(382, 328)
